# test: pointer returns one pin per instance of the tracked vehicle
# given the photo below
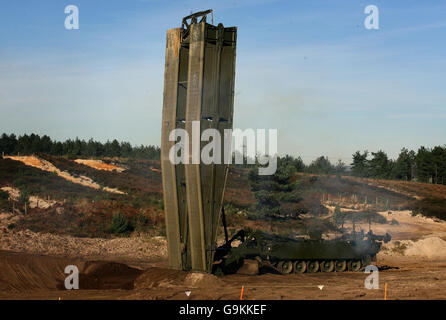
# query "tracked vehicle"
(349, 252)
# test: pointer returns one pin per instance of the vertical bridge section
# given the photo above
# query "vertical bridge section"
(198, 86)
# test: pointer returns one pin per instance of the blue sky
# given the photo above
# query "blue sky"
(308, 68)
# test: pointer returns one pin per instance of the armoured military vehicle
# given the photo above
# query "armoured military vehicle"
(349, 252)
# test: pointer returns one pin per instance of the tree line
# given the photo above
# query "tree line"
(425, 165)
(33, 143)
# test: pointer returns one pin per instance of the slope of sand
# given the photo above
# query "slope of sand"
(406, 227)
(100, 165)
(34, 202)
(429, 248)
(41, 164)
(411, 227)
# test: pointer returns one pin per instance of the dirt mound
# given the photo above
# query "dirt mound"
(432, 247)
(427, 248)
(102, 275)
(160, 277)
(20, 272)
(249, 267)
(196, 279)
(28, 272)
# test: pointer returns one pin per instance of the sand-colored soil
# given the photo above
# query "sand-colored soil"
(430, 248)
(42, 164)
(28, 276)
(100, 165)
(38, 273)
(406, 226)
(139, 248)
(34, 202)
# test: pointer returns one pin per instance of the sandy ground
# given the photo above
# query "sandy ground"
(32, 267)
(34, 202)
(27, 276)
(100, 165)
(405, 226)
(408, 227)
(41, 164)
(135, 248)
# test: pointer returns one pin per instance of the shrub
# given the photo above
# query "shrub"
(161, 204)
(399, 248)
(19, 182)
(338, 216)
(141, 222)
(4, 195)
(162, 231)
(120, 224)
(24, 196)
(137, 202)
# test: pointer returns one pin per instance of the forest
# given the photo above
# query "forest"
(33, 143)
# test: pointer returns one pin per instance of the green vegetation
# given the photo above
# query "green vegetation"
(339, 217)
(120, 224)
(399, 248)
(275, 194)
(4, 200)
(430, 207)
(365, 216)
(24, 197)
(275, 201)
(425, 165)
(235, 217)
(4, 195)
(29, 144)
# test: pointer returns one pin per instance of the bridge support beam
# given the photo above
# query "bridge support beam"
(198, 88)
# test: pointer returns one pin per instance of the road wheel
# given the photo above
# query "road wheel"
(355, 265)
(313, 266)
(285, 267)
(327, 266)
(340, 265)
(300, 267)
